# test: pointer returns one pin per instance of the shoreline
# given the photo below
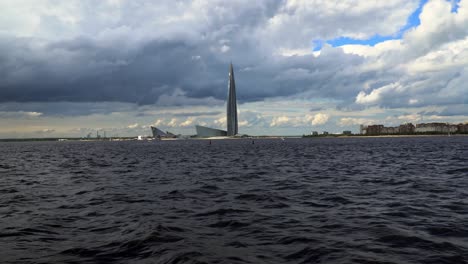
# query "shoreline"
(226, 138)
(398, 136)
(388, 136)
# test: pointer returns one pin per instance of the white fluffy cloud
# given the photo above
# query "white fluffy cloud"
(327, 20)
(319, 119)
(426, 67)
(188, 122)
(133, 126)
(300, 121)
(352, 121)
(281, 121)
(19, 114)
(377, 95)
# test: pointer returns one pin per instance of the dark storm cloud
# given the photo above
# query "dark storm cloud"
(89, 69)
(122, 62)
(68, 108)
(455, 110)
(93, 74)
(315, 109)
(175, 53)
(80, 70)
(213, 113)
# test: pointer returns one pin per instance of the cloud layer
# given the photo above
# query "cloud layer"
(102, 57)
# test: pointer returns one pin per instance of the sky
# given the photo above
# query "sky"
(69, 68)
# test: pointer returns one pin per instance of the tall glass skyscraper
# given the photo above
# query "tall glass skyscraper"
(232, 127)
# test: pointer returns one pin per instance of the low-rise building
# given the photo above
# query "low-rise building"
(390, 130)
(362, 129)
(462, 128)
(436, 128)
(407, 128)
(374, 130)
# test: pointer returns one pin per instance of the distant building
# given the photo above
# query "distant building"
(390, 130)
(462, 128)
(436, 128)
(325, 133)
(453, 128)
(232, 124)
(231, 113)
(407, 128)
(374, 130)
(170, 135)
(158, 133)
(203, 131)
(363, 129)
(314, 133)
(347, 132)
(383, 130)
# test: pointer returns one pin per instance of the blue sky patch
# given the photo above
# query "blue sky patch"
(455, 5)
(413, 21)
(370, 42)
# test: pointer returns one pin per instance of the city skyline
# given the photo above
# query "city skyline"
(71, 68)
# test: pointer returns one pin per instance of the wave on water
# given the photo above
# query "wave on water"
(353, 200)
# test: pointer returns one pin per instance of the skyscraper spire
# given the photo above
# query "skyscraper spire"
(232, 127)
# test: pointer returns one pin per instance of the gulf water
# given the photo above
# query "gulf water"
(342, 200)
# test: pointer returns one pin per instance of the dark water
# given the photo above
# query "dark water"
(364, 200)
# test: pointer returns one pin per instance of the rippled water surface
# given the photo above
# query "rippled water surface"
(349, 200)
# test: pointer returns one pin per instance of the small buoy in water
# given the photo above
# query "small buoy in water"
(253, 142)
(210, 141)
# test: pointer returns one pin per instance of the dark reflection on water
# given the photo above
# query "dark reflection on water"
(364, 200)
